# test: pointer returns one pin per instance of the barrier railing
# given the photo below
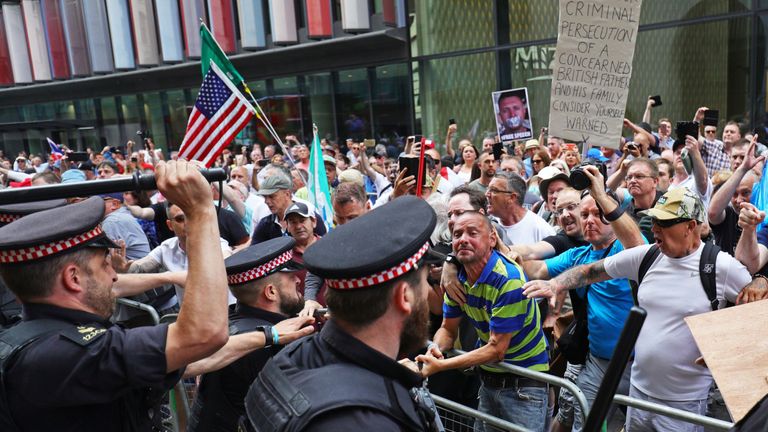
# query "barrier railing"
(446, 407)
(685, 416)
(543, 377)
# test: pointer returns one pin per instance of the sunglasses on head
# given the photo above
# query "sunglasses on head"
(666, 223)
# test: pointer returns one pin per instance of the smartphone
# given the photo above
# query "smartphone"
(263, 162)
(498, 149)
(451, 122)
(711, 117)
(687, 161)
(370, 143)
(412, 165)
(684, 129)
(78, 156)
(631, 146)
(656, 100)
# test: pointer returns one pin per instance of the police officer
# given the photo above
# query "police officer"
(347, 377)
(263, 279)
(10, 309)
(65, 367)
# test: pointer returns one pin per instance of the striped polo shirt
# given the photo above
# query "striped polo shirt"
(496, 303)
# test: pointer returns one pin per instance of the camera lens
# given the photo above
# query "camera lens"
(578, 179)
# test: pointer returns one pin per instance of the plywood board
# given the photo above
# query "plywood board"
(735, 348)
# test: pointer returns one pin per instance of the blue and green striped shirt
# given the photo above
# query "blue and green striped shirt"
(496, 303)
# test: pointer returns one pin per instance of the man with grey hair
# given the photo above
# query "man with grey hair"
(506, 195)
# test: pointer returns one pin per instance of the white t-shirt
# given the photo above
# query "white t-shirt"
(256, 203)
(531, 229)
(671, 290)
(173, 258)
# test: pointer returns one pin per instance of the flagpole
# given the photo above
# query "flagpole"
(260, 113)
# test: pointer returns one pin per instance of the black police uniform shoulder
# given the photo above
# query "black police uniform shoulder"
(258, 254)
(376, 241)
(84, 334)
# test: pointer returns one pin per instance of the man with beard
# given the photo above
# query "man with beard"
(507, 324)
(263, 279)
(487, 170)
(377, 299)
(65, 365)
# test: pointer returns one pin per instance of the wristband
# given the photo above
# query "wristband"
(269, 335)
(615, 214)
(275, 337)
(451, 259)
(759, 276)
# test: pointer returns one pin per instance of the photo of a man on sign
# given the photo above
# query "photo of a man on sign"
(512, 114)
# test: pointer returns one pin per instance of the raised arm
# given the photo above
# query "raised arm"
(625, 228)
(449, 140)
(722, 197)
(752, 254)
(202, 326)
(699, 169)
(648, 107)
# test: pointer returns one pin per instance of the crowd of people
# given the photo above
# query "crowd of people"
(529, 242)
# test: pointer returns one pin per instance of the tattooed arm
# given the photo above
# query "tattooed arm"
(574, 278)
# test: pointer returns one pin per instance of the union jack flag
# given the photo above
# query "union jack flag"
(219, 114)
(55, 150)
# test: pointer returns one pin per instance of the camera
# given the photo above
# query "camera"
(579, 179)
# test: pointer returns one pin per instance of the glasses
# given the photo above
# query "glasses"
(459, 212)
(569, 208)
(492, 190)
(102, 172)
(638, 177)
(179, 219)
(537, 161)
(669, 222)
(709, 131)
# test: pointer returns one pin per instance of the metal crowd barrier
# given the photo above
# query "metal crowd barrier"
(149, 310)
(459, 418)
(543, 377)
(675, 413)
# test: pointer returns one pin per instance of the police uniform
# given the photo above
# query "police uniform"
(219, 402)
(332, 380)
(65, 369)
(10, 309)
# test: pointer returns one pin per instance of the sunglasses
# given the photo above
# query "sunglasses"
(662, 223)
(537, 161)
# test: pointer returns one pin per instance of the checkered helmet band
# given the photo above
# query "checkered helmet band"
(41, 251)
(381, 277)
(262, 270)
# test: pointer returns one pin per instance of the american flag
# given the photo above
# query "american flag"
(220, 113)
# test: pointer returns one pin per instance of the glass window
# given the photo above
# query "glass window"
(391, 103)
(442, 26)
(285, 110)
(320, 95)
(657, 11)
(255, 132)
(129, 106)
(456, 88)
(353, 104)
(178, 113)
(110, 125)
(155, 121)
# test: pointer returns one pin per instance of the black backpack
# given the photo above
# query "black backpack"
(707, 266)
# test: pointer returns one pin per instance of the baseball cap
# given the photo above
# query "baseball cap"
(301, 209)
(547, 175)
(678, 203)
(273, 184)
(596, 154)
(72, 176)
(351, 176)
(115, 196)
(329, 159)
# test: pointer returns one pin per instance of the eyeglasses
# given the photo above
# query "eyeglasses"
(709, 131)
(179, 219)
(662, 223)
(459, 212)
(638, 177)
(492, 190)
(537, 161)
(569, 208)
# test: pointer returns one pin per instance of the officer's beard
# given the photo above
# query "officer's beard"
(291, 305)
(415, 330)
(99, 298)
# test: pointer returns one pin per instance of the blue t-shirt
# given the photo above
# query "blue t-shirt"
(609, 301)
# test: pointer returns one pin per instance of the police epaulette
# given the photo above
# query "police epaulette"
(84, 334)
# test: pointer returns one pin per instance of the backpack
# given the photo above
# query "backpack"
(707, 266)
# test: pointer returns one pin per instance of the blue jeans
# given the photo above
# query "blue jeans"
(589, 380)
(524, 406)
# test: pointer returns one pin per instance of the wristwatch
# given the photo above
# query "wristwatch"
(451, 259)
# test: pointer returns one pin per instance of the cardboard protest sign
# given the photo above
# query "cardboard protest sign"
(736, 352)
(592, 68)
(513, 114)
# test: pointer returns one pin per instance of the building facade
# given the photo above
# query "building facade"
(91, 73)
